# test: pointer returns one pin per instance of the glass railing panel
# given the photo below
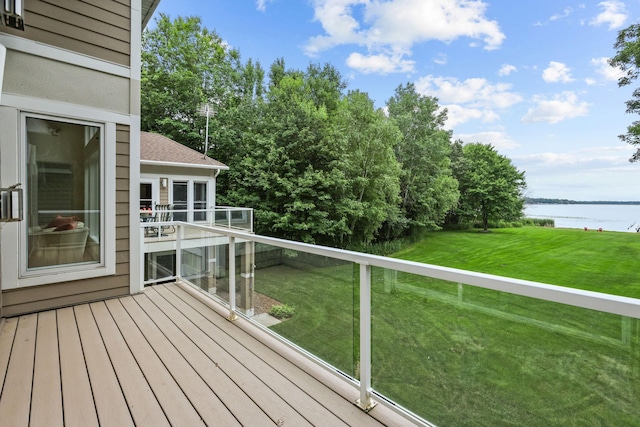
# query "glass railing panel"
(320, 293)
(467, 356)
(159, 253)
(205, 260)
(237, 218)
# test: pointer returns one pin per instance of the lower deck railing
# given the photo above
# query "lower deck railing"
(450, 346)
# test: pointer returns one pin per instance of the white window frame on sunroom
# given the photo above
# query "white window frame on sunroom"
(191, 180)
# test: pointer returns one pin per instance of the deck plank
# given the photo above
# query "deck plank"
(110, 403)
(164, 357)
(203, 399)
(280, 385)
(143, 404)
(46, 397)
(276, 405)
(328, 398)
(174, 403)
(15, 400)
(7, 334)
(78, 405)
(231, 394)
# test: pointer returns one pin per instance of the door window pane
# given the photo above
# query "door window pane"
(200, 201)
(63, 193)
(180, 200)
(146, 196)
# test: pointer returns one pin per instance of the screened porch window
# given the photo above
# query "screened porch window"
(180, 200)
(199, 201)
(63, 192)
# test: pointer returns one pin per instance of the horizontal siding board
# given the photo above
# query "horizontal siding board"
(90, 39)
(122, 269)
(44, 22)
(122, 257)
(62, 290)
(122, 197)
(41, 305)
(122, 233)
(91, 24)
(122, 148)
(95, 12)
(122, 184)
(122, 245)
(122, 8)
(122, 172)
(122, 160)
(57, 40)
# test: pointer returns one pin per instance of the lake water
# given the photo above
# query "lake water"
(608, 217)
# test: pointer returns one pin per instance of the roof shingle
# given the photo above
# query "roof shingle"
(158, 148)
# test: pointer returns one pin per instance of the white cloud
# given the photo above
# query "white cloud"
(507, 69)
(500, 140)
(565, 13)
(471, 99)
(614, 14)
(557, 72)
(382, 64)
(440, 59)
(261, 5)
(476, 92)
(604, 69)
(560, 107)
(392, 27)
(568, 11)
(458, 114)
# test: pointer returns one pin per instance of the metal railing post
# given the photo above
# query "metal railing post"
(232, 279)
(179, 237)
(143, 262)
(365, 402)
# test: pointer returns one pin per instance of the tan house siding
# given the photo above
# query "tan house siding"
(38, 298)
(98, 28)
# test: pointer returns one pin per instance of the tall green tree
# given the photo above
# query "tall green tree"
(427, 188)
(184, 66)
(292, 176)
(366, 141)
(491, 187)
(627, 59)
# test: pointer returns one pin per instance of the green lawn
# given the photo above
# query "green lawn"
(464, 356)
(597, 261)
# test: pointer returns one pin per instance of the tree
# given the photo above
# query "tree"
(366, 139)
(627, 59)
(291, 175)
(427, 188)
(183, 67)
(491, 188)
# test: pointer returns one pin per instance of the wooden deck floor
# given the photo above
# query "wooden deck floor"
(164, 357)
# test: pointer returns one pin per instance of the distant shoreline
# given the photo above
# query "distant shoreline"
(542, 201)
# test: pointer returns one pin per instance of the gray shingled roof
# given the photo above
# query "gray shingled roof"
(157, 148)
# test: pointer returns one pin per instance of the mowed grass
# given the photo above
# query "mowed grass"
(464, 356)
(597, 261)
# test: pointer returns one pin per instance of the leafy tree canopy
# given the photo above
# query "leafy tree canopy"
(491, 188)
(427, 188)
(627, 59)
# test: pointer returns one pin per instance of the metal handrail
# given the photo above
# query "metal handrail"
(607, 303)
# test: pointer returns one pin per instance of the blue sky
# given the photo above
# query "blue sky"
(528, 77)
